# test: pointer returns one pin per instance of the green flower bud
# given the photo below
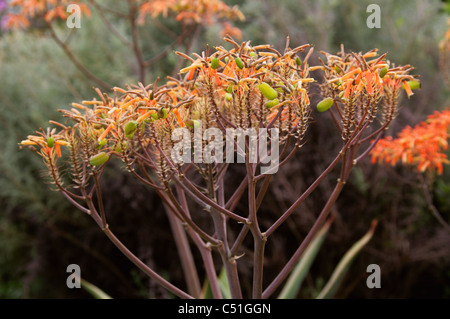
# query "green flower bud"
(239, 63)
(269, 92)
(192, 123)
(253, 54)
(154, 116)
(325, 104)
(272, 103)
(228, 96)
(50, 142)
(130, 129)
(214, 63)
(162, 113)
(99, 159)
(298, 61)
(229, 88)
(383, 72)
(414, 85)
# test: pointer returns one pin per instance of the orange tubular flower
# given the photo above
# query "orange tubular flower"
(422, 146)
(49, 144)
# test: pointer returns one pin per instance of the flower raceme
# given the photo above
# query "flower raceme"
(246, 87)
(422, 146)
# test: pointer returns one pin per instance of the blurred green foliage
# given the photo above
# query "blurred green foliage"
(37, 78)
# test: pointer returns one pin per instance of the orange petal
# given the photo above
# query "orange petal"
(407, 88)
(105, 132)
(350, 74)
(348, 88)
(177, 114)
(369, 83)
(58, 149)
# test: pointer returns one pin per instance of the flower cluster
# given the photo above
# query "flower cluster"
(362, 84)
(22, 11)
(421, 146)
(201, 12)
(246, 87)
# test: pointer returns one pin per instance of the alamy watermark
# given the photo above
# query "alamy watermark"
(374, 279)
(74, 279)
(211, 146)
(74, 19)
(374, 19)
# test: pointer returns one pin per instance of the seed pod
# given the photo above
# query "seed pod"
(228, 96)
(99, 159)
(130, 129)
(192, 123)
(272, 103)
(383, 72)
(325, 104)
(298, 61)
(414, 85)
(50, 142)
(214, 63)
(239, 63)
(269, 92)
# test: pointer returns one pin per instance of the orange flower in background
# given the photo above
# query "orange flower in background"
(199, 11)
(26, 10)
(204, 12)
(421, 146)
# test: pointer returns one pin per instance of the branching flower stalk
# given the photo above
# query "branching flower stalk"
(249, 105)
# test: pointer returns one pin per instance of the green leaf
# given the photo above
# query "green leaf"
(344, 264)
(295, 280)
(223, 285)
(94, 290)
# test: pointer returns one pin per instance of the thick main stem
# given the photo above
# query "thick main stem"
(184, 251)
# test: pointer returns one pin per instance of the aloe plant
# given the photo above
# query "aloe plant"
(295, 280)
